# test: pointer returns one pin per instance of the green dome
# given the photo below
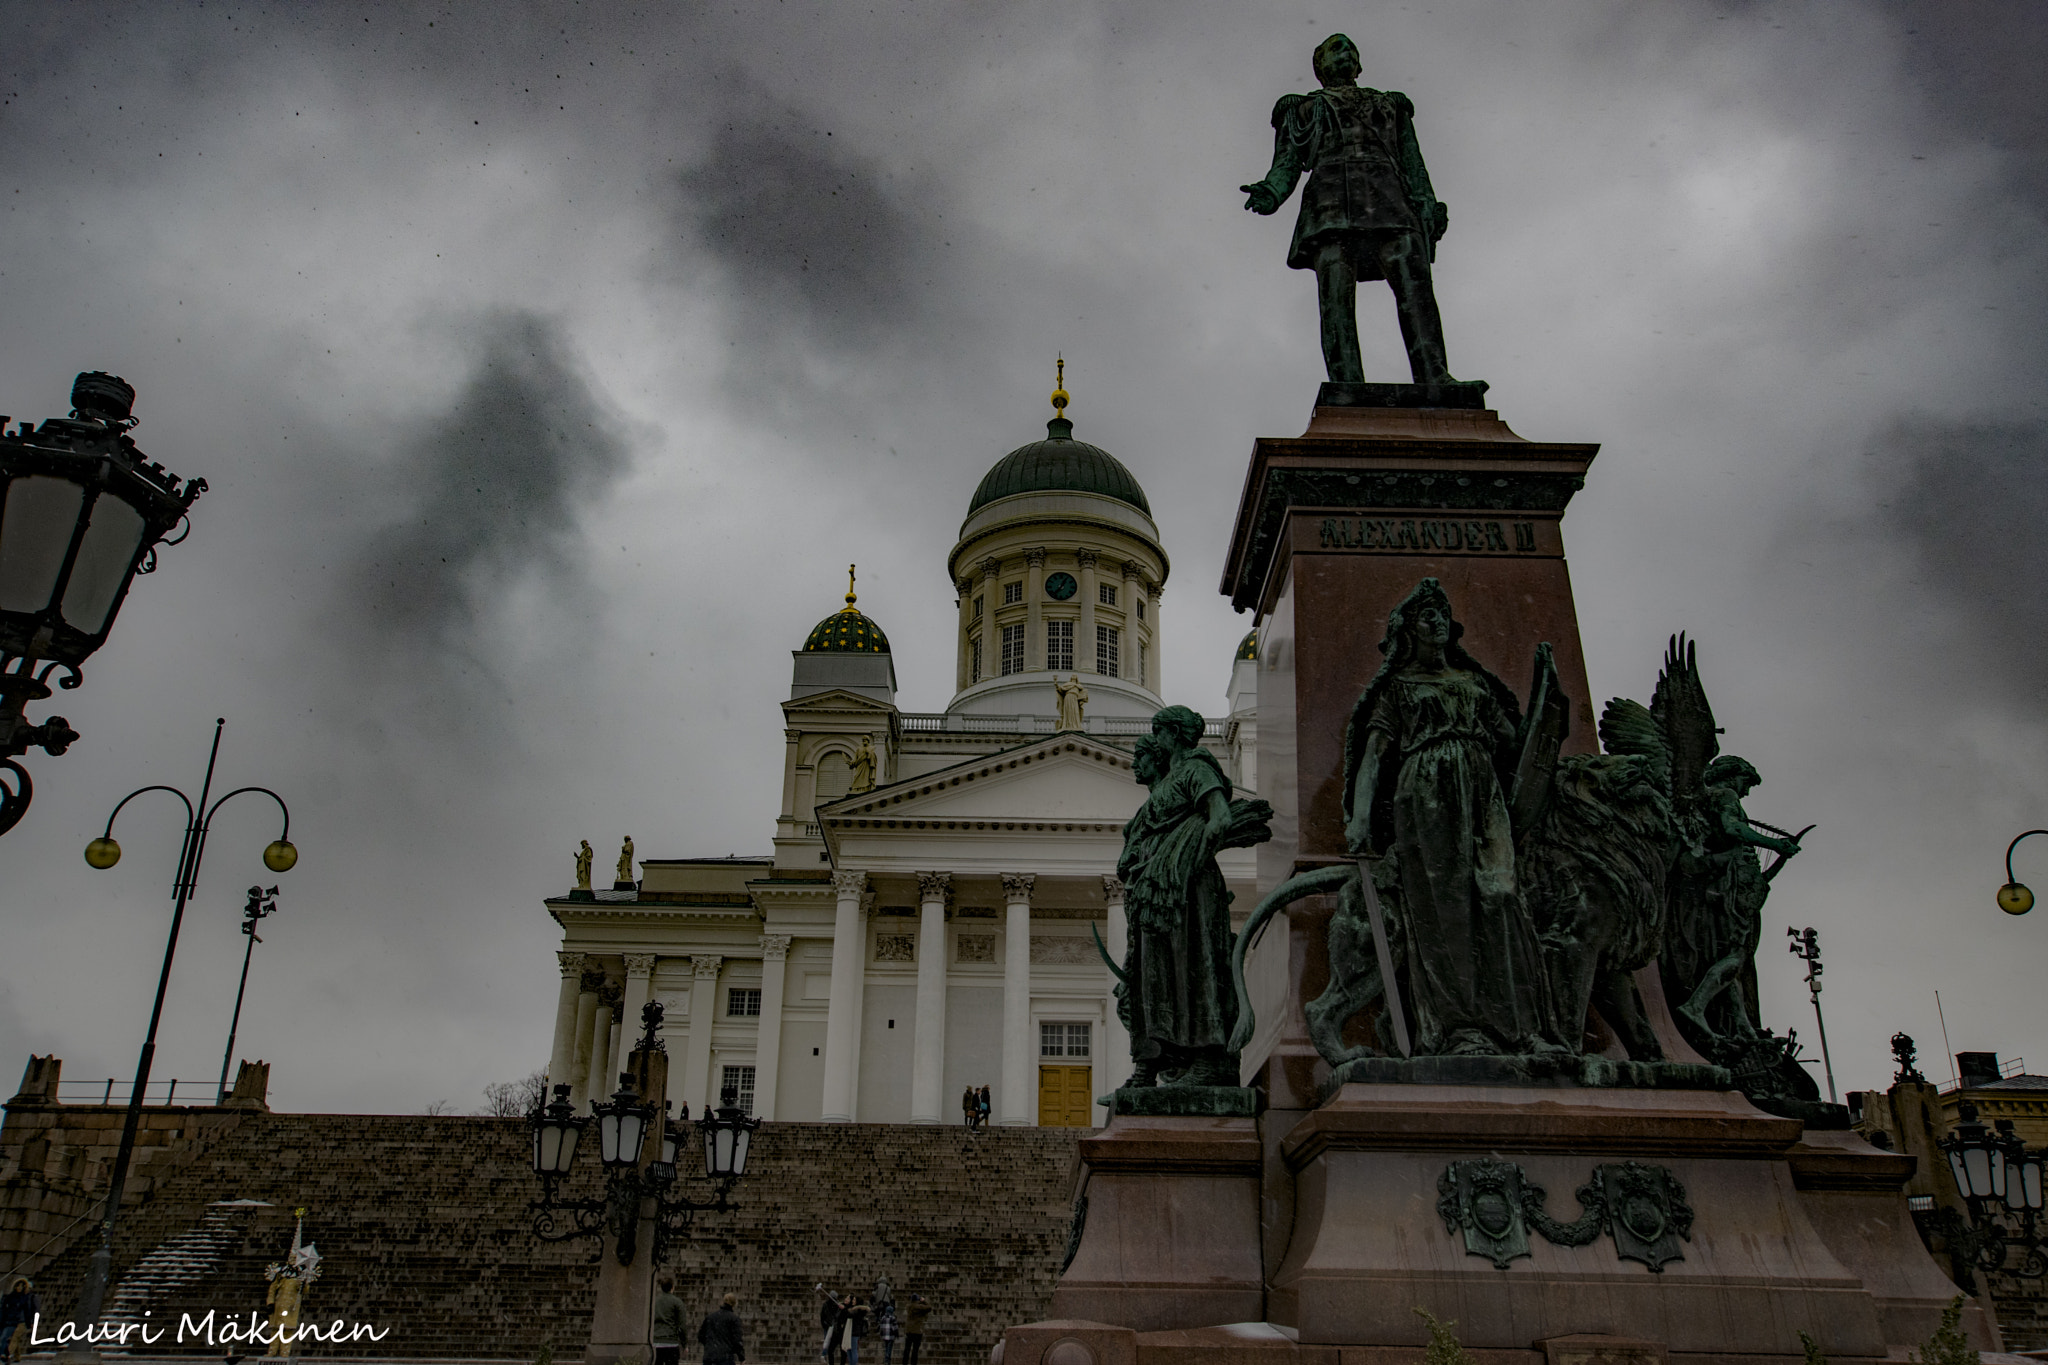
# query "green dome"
(1059, 463)
(846, 632)
(1248, 647)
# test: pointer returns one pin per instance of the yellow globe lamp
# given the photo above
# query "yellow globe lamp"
(102, 853)
(2015, 899)
(280, 856)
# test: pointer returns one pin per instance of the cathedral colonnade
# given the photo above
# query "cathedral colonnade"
(597, 1016)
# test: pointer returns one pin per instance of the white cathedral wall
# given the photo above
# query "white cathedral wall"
(800, 1086)
(974, 1045)
(884, 1094)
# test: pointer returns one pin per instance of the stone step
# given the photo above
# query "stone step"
(424, 1229)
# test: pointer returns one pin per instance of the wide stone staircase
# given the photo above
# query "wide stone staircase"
(423, 1230)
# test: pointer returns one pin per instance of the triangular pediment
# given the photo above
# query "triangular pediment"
(1067, 779)
(836, 699)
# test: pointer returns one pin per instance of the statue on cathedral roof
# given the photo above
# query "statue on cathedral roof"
(624, 881)
(1072, 697)
(863, 765)
(584, 859)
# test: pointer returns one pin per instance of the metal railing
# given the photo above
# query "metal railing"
(939, 722)
(111, 1091)
(2011, 1066)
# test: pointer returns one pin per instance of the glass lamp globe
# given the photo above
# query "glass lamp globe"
(280, 856)
(102, 853)
(2015, 899)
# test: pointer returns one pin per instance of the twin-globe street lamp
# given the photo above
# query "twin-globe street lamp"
(81, 513)
(103, 852)
(622, 1126)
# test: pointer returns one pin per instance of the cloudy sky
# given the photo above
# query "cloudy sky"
(549, 363)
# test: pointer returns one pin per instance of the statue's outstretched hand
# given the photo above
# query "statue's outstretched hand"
(1261, 198)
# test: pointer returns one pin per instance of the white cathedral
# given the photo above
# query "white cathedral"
(927, 921)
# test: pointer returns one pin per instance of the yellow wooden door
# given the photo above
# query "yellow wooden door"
(1064, 1100)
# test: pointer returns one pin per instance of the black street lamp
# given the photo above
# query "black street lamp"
(81, 514)
(103, 852)
(2014, 898)
(622, 1124)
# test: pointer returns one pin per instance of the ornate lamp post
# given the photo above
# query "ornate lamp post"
(2000, 1181)
(103, 852)
(2014, 898)
(622, 1124)
(81, 513)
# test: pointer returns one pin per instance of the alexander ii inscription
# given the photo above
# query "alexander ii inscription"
(1412, 535)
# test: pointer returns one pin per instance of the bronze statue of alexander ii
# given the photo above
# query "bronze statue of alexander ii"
(1367, 212)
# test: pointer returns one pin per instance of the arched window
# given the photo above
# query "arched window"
(835, 776)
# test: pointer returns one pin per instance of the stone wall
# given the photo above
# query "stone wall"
(55, 1159)
(423, 1227)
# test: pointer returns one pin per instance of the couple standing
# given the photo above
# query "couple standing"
(974, 1107)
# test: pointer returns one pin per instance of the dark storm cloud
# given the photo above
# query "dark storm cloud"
(818, 239)
(493, 487)
(1969, 501)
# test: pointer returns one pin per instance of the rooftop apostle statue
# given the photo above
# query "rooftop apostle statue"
(1367, 212)
(1072, 697)
(863, 766)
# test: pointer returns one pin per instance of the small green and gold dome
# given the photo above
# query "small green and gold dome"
(1248, 647)
(846, 631)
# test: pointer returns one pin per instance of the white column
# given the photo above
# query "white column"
(703, 1016)
(1034, 609)
(639, 990)
(600, 1080)
(586, 1023)
(768, 1042)
(563, 1057)
(1116, 1040)
(1084, 637)
(928, 1046)
(614, 1062)
(842, 1009)
(1016, 1100)
(964, 651)
(991, 638)
(1134, 591)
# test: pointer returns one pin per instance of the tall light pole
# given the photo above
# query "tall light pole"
(103, 852)
(1806, 947)
(261, 903)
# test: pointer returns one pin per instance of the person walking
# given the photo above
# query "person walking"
(970, 1106)
(885, 1330)
(720, 1335)
(982, 1106)
(914, 1314)
(666, 1336)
